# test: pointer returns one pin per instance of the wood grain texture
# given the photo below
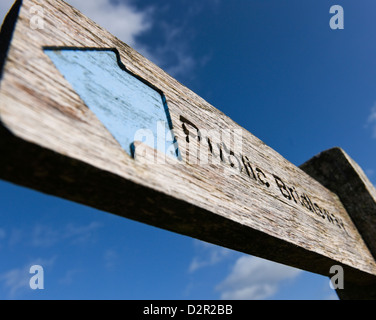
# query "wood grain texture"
(244, 196)
(336, 170)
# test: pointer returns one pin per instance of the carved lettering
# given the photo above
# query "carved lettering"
(262, 178)
(189, 134)
(241, 163)
(282, 187)
(248, 167)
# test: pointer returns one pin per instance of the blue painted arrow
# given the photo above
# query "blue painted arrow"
(130, 108)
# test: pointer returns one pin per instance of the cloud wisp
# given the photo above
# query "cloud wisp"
(208, 255)
(128, 22)
(15, 282)
(250, 278)
(255, 279)
(46, 236)
(121, 19)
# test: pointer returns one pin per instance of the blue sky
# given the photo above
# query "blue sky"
(277, 69)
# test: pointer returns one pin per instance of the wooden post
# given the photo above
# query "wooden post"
(85, 117)
(342, 175)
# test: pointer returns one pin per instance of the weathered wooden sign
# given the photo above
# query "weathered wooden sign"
(87, 118)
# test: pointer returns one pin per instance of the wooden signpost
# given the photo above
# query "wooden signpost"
(87, 118)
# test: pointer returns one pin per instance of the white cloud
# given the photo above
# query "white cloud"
(15, 280)
(121, 19)
(255, 279)
(81, 234)
(47, 236)
(208, 255)
(43, 236)
(184, 63)
(173, 52)
(127, 22)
